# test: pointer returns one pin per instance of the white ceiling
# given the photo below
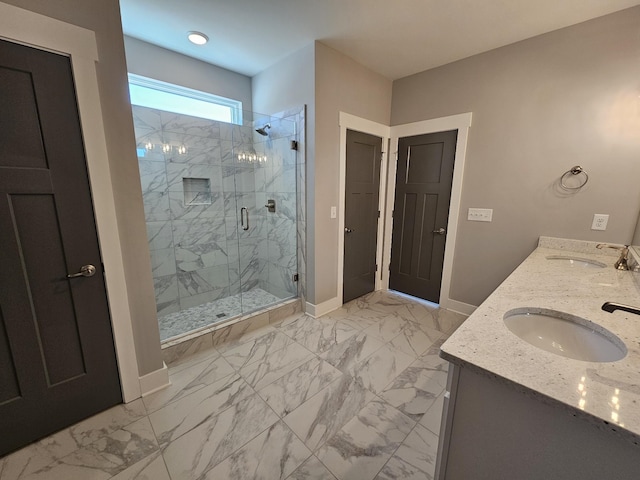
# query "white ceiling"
(395, 38)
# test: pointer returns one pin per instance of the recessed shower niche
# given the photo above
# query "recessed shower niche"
(217, 252)
(197, 191)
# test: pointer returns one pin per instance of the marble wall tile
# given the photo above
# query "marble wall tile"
(281, 277)
(153, 176)
(202, 298)
(213, 440)
(278, 315)
(272, 455)
(197, 257)
(203, 280)
(362, 447)
(175, 419)
(163, 262)
(182, 211)
(166, 292)
(227, 156)
(280, 179)
(177, 171)
(144, 117)
(275, 365)
(176, 139)
(198, 231)
(188, 125)
(149, 468)
(209, 155)
(241, 135)
(415, 458)
(312, 469)
(156, 206)
(187, 381)
(159, 235)
(296, 387)
(324, 414)
(226, 131)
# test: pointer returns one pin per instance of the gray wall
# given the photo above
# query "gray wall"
(161, 64)
(540, 106)
(103, 17)
(341, 85)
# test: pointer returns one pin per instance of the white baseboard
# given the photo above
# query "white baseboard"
(459, 307)
(154, 381)
(322, 308)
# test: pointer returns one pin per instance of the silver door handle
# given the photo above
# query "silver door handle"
(85, 271)
(440, 231)
(347, 230)
(244, 211)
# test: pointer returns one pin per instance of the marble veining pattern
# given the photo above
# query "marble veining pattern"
(484, 342)
(253, 401)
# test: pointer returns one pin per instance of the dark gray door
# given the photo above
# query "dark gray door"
(57, 358)
(361, 214)
(420, 213)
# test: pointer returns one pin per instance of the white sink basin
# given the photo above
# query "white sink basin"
(577, 261)
(565, 334)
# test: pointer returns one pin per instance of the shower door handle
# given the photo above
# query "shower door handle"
(244, 211)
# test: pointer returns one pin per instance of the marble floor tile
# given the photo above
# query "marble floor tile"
(275, 365)
(318, 334)
(272, 455)
(229, 337)
(388, 328)
(296, 387)
(362, 447)
(433, 418)
(381, 368)
(188, 381)
(354, 349)
(415, 340)
(149, 468)
(183, 355)
(54, 447)
(183, 415)
(415, 459)
(213, 440)
(105, 457)
(255, 350)
(320, 417)
(312, 469)
(416, 389)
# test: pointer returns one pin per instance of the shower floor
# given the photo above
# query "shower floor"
(212, 312)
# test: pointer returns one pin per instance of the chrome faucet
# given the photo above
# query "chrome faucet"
(611, 307)
(621, 264)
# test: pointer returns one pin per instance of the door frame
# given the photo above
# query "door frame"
(45, 33)
(351, 122)
(461, 123)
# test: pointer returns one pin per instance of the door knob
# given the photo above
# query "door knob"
(440, 231)
(347, 230)
(85, 271)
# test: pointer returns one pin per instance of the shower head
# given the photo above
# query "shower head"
(263, 130)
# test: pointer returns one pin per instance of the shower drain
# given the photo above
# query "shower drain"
(220, 315)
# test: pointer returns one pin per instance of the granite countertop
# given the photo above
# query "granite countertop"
(607, 394)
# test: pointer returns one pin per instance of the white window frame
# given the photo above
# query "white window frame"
(235, 106)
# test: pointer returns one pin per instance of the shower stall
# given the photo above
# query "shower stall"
(221, 207)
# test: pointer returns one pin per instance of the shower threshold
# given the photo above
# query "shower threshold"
(207, 314)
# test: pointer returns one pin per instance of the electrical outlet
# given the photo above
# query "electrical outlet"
(600, 221)
(480, 214)
(334, 212)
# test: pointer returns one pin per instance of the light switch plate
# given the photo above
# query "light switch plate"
(334, 212)
(600, 221)
(480, 214)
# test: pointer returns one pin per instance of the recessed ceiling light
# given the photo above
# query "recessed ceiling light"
(197, 38)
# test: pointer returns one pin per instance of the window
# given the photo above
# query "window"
(150, 93)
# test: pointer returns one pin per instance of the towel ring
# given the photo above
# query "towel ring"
(577, 170)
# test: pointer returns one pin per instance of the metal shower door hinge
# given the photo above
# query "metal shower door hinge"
(294, 145)
(295, 277)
